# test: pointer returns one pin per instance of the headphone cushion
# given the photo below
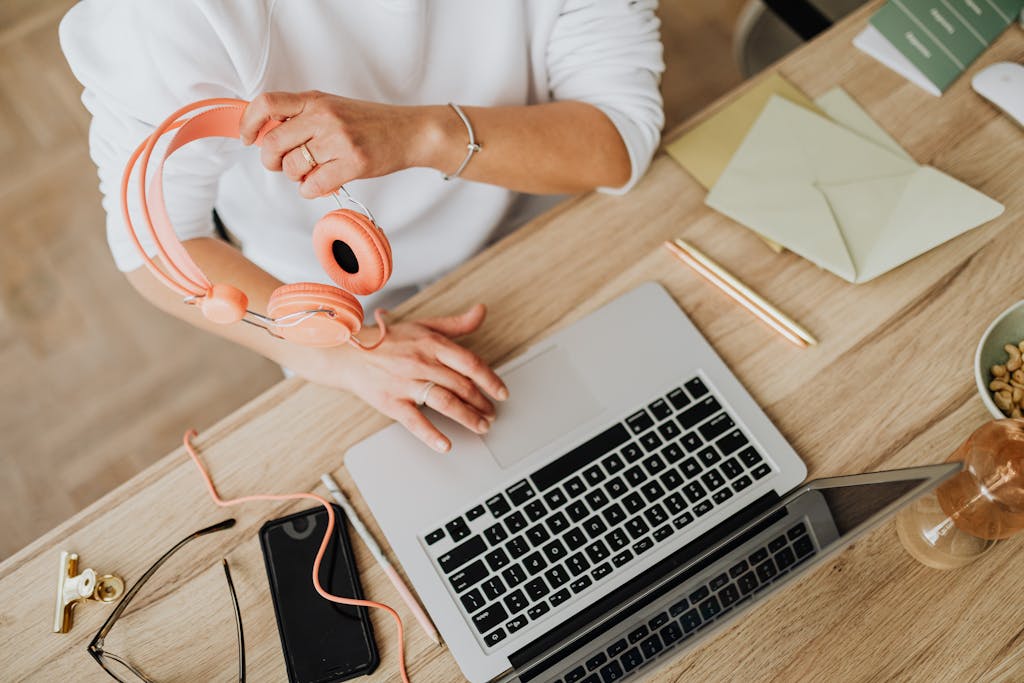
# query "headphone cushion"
(368, 245)
(317, 330)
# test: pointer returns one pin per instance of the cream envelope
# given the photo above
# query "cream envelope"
(830, 195)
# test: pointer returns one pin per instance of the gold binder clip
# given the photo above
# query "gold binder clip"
(73, 586)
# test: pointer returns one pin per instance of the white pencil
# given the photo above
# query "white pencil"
(378, 554)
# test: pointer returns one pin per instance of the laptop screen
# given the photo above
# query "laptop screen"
(711, 581)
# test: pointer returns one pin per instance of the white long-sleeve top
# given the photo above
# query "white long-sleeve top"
(139, 60)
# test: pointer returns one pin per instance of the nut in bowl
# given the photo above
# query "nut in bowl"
(999, 366)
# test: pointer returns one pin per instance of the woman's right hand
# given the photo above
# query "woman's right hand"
(393, 377)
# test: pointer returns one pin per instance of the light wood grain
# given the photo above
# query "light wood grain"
(85, 402)
(889, 385)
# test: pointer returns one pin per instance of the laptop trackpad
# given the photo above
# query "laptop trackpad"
(547, 398)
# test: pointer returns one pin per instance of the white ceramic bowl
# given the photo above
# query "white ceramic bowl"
(1008, 328)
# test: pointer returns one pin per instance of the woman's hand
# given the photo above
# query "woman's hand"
(393, 377)
(348, 139)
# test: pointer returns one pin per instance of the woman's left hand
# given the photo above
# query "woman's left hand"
(348, 139)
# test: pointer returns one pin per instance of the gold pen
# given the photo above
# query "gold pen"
(746, 297)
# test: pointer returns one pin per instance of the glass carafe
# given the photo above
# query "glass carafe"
(980, 505)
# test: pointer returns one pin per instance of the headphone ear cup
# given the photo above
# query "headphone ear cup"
(342, 319)
(353, 251)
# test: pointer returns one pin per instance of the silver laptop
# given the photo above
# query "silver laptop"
(624, 442)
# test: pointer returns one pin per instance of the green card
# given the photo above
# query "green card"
(943, 37)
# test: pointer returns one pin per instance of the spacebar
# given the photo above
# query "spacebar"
(580, 457)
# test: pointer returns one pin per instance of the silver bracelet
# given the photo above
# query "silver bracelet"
(471, 147)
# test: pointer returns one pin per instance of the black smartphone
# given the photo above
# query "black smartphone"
(322, 641)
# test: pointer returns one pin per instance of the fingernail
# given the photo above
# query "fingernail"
(441, 446)
(502, 394)
(482, 426)
(491, 417)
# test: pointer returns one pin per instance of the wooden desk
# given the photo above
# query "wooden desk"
(890, 385)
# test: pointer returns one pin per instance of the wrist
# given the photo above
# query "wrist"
(439, 140)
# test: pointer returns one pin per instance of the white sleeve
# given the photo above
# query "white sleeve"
(608, 53)
(140, 60)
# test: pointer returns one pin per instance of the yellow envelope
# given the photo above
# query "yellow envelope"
(838, 199)
(706, 148)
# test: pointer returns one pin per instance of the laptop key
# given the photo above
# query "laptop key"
(656, 515)
(577, 564)
(631, 452)
(679, 607)
(709, 456)
(493, 588)
(613, 514)
(498, 505)
(574, 486)
(495, 534)
(650, 441)
(617, 539)
(635, 476)
(596, 661)
(514, 575)
(557, 576)
(662, 533)
(516, 601)
(577, 511)
(555, 498)
(697, 413)
(803, 546)
(659, 409)
(472, 600)
(434, 536)
(678, 399)
(750, 456)
(631, 659)
(719, 581)
(691, 441)
(675, 503)
(536, 589)
(492, 639)
(622, 558)
(597, 551)
(611, 672)
(777, 543)
(558, 597)
(461, 554)
(618, 647)
(520, 492)
(712, 479)
(557, 523)
(652, 491)
(731, 442)
(601, 571)
(737, 569)
(579, 457)
(534, 562)
(653, 465)
(699, 594)
(758, 556)
(741, 483)
(537, 534)
(731, 468)
(633, 502)
(581, 584)
(593, 475)
(710, 608)
(515, 522)
(702, 508)
(796, 531)
(516, 623)
(596, 499)
(672, 453)
(457, 529)
(694, 491)
(690, 621)
(643, 546)
(574, 538)
(637, 527)
(594, 526)
(490, 617)
(690, 467)
(613, 463)
(658, 621)
(671, 479)
(651, 646)
(639, 421)
(729, 595)
(638, 634)
(669, 430)
(535, 510)
(759, 471)
(785, 559)
(615, 487)
(747, 582)
(671, 633)
(696, 387)
(682, 520)
(496, 559)
(575, 675)
(766, 570)
(554, 551)
(722, 496)
(517, 547)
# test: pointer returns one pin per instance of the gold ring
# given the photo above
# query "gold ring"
(425, 393)
(309, 157)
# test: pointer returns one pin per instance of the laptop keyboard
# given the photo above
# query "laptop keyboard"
(552, 537)
(706, 603)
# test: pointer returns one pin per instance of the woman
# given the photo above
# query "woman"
(562, 95)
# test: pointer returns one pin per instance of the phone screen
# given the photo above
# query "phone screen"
(322, 640)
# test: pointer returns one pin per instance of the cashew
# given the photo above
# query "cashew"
(1018, 395)
(1015, 412)
(998, 371)
(1014, 353)
(1003, 400)
(1018, 376)
(999, 385)
(1021, 346)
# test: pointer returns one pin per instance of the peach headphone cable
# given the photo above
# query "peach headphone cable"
(145, 149)
(319, 554)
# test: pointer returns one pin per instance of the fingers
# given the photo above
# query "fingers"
(458, 325)
(448, 404)
(270, 106)
(419, 426)
(326, 178)
(465, 362)
(284, 139)
(462, 387)
(295, 164)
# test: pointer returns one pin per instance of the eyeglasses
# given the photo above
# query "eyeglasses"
(118, 666)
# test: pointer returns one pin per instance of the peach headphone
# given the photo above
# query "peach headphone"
(350, 246)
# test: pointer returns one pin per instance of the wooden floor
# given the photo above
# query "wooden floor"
(97, 384)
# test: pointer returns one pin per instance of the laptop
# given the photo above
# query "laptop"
(627, 465)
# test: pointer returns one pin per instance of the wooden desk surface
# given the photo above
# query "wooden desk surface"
(890, 385)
